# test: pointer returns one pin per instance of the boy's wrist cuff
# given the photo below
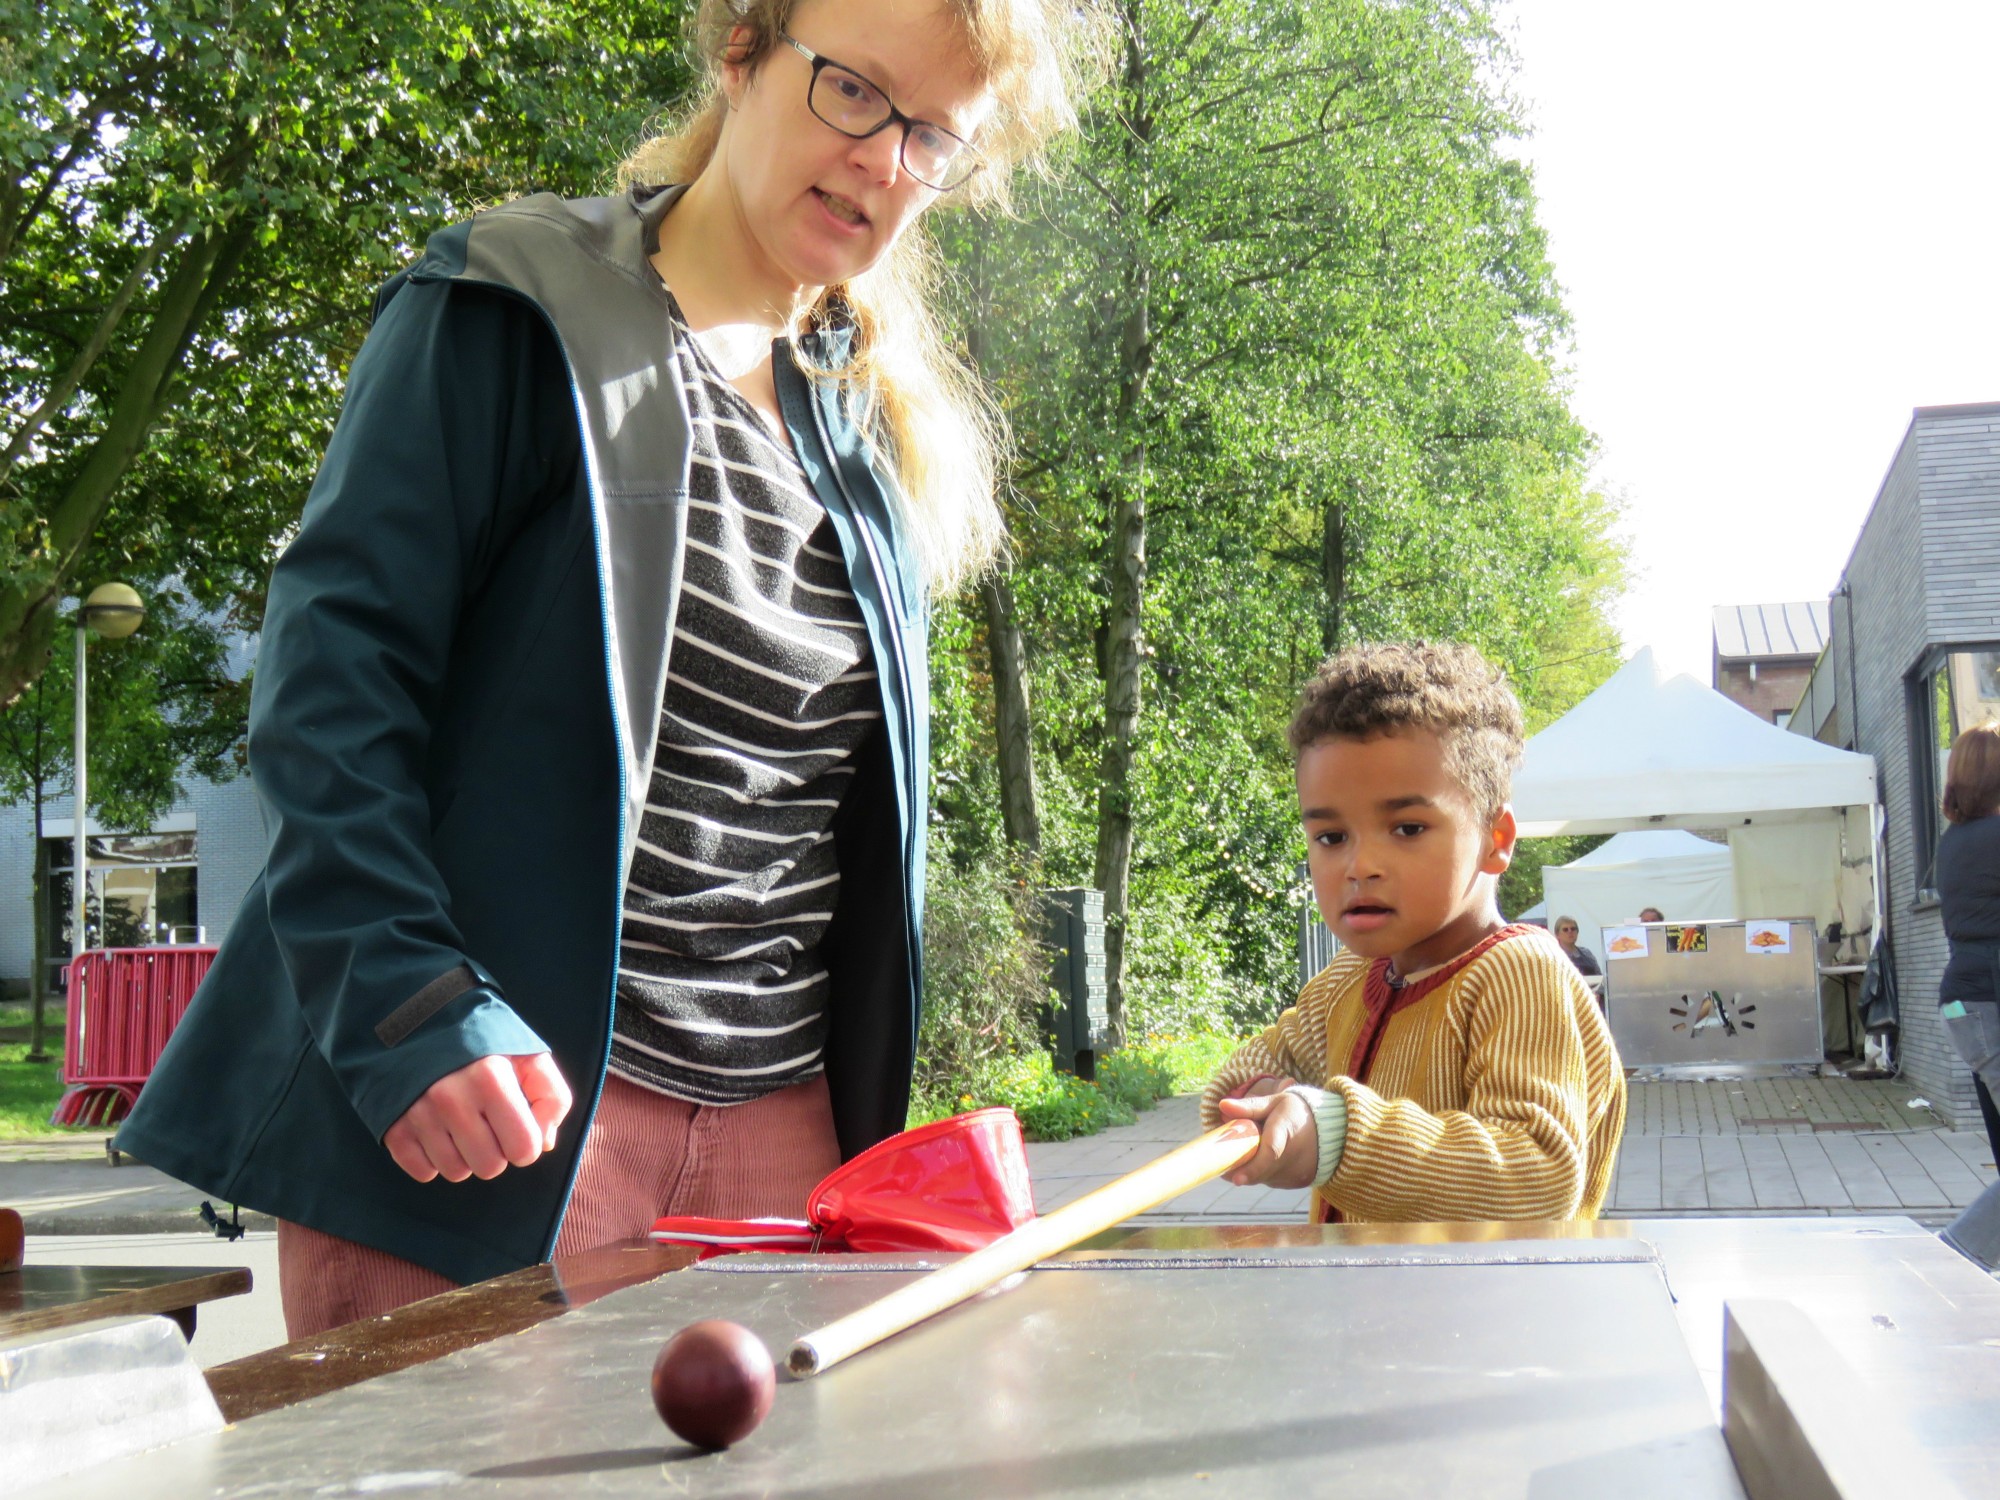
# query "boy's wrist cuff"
(1329, 1107)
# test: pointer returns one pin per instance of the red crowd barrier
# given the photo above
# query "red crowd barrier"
(123, 1005)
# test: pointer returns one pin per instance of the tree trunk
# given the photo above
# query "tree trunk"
(1333, 574)
(1020, 802)
(38, 973)
(1013, 722)
(1125, 642)
(190, 289)
(1125, 651)
(38, 977)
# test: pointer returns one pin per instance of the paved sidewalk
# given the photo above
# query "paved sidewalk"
(1794, 1146)
(1813, 1146)
(66, 1185)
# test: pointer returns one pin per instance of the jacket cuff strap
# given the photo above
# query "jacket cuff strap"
(398, 1025)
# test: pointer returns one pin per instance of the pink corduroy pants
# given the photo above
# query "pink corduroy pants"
(646, 1155)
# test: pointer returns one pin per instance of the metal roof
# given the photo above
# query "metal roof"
(1761, 631)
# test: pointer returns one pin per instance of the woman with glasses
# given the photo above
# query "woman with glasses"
(591, 717)
(1566, 932)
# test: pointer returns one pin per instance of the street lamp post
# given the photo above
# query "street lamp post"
(114, 611)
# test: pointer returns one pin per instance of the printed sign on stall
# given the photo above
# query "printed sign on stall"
(1626, 942)
(1687, 940)
(1767, 937)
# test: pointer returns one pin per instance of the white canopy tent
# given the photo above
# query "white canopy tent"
(1647, 751)
(1688, 878)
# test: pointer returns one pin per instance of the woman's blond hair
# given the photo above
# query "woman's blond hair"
(921, 403)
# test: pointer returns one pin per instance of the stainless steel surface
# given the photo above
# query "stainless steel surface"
(1788, 1416)
(1768, 1010)
(1917, 1323)
(88, 1393)
(1300, 1377)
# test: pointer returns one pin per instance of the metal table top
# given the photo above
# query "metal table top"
(1544, 1371)
(1471, 1360)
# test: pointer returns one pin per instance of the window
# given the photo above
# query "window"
(1953, 691)
(1782, 717)
(141, 892)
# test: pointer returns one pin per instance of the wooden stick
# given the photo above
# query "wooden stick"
(1162, 1178)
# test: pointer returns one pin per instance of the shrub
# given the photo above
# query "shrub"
(1190, 1061)
(985, 979)
(1055, 1106)
(1177, 981)
(1135, 1077)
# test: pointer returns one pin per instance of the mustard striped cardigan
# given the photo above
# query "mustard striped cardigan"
(1494, 1090)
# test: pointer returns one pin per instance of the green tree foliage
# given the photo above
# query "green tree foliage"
(197, 198)
(1281, 357)
(1281, 348)
(162, 704)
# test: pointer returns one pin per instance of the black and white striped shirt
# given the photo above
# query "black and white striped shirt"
(770, 691)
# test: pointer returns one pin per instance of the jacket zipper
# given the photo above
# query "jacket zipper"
(893, 601)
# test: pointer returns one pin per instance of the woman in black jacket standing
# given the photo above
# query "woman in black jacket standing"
(1968, 884)
(591, 724)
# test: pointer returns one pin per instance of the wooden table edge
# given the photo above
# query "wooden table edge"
(434, 1327)
(176, 1299)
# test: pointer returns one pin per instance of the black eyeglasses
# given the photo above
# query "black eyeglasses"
(840, 97)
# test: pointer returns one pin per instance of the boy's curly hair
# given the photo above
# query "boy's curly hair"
(1440, 687)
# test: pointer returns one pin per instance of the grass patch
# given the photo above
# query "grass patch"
(1057, 1106)
(17, 1016)
(29, 1091)
(1192, 1060)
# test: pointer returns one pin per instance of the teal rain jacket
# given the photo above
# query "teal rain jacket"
(452, 734)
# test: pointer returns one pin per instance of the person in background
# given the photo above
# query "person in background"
(1968, 885)
(1566, 934)
(1652, 914)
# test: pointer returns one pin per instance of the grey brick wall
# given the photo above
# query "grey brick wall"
(1924, 575)
(1959, 460)
(17, 874)
(230, 845)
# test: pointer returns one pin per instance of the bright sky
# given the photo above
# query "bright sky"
(1778, 229)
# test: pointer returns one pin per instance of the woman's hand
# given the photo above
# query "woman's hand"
(477, 1121)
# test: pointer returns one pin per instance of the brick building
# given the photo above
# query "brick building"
(1913, 657)
(1763, 654)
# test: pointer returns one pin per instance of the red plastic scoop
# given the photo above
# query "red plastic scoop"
(955, 1184)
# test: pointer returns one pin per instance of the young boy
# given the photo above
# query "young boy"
(1462, 1068)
